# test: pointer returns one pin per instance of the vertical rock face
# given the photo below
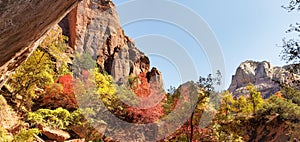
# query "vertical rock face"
(22, 24)
(94, 28)
(263, 75)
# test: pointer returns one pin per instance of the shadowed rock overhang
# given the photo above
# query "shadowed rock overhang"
(22, 26)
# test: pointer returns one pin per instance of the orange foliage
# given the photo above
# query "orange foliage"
(143, 90)
(60, 94)
(279, 94)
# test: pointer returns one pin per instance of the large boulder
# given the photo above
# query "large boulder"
(54, 134)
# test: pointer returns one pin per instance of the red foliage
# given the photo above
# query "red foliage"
(60, 94)
(144, 90)
(145, 116)
(67, 82)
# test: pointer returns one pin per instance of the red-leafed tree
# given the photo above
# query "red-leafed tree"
(60, 94)
(144, 89)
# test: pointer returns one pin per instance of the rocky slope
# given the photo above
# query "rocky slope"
(22, 25)
(263, 75)
(8, 118)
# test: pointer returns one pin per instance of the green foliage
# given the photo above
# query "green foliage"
(59, 118)
(36, 72)
(64, 69)
(84, 61)
(226, 108)
(255, 98)
(26, 135)
(46, 63)
(244, 105)
(222, 133)
(107, 91)
(23, 135)
(291, 94)
(210, 82)
(104, 83)
(286, 109)
(291, 47)
(180, 138)
(132, 81)
(56, 45)
(293, 5)
(4, 135)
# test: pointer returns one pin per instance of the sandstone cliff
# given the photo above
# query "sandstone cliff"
(94, 28)
(263, 75)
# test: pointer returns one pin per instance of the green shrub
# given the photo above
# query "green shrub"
(59, 118)
(26, 135)
(286, 109)
(4, 135)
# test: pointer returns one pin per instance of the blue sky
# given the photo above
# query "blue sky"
(246, 30)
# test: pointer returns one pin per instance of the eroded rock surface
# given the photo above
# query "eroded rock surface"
(94, 28)
(22, 25)
(263, 75)
(54, 134)
(8, 118)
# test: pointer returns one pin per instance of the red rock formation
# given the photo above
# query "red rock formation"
(22, 25)
(95, 28)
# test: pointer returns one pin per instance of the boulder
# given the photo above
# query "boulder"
(54, 134)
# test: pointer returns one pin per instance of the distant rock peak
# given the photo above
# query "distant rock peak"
(263, 75)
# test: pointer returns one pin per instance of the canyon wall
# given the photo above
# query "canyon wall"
(94, 28)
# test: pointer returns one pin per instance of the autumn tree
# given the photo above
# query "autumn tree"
(206, 87)
(255, 98)
(227, 107)
(60, 94)
(36, 73)
(244, 106)
(45, 64)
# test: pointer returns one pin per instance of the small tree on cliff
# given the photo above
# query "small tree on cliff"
(207, 89)
(244, 106)
(255, 98)
(36, 72)
(227, 107)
